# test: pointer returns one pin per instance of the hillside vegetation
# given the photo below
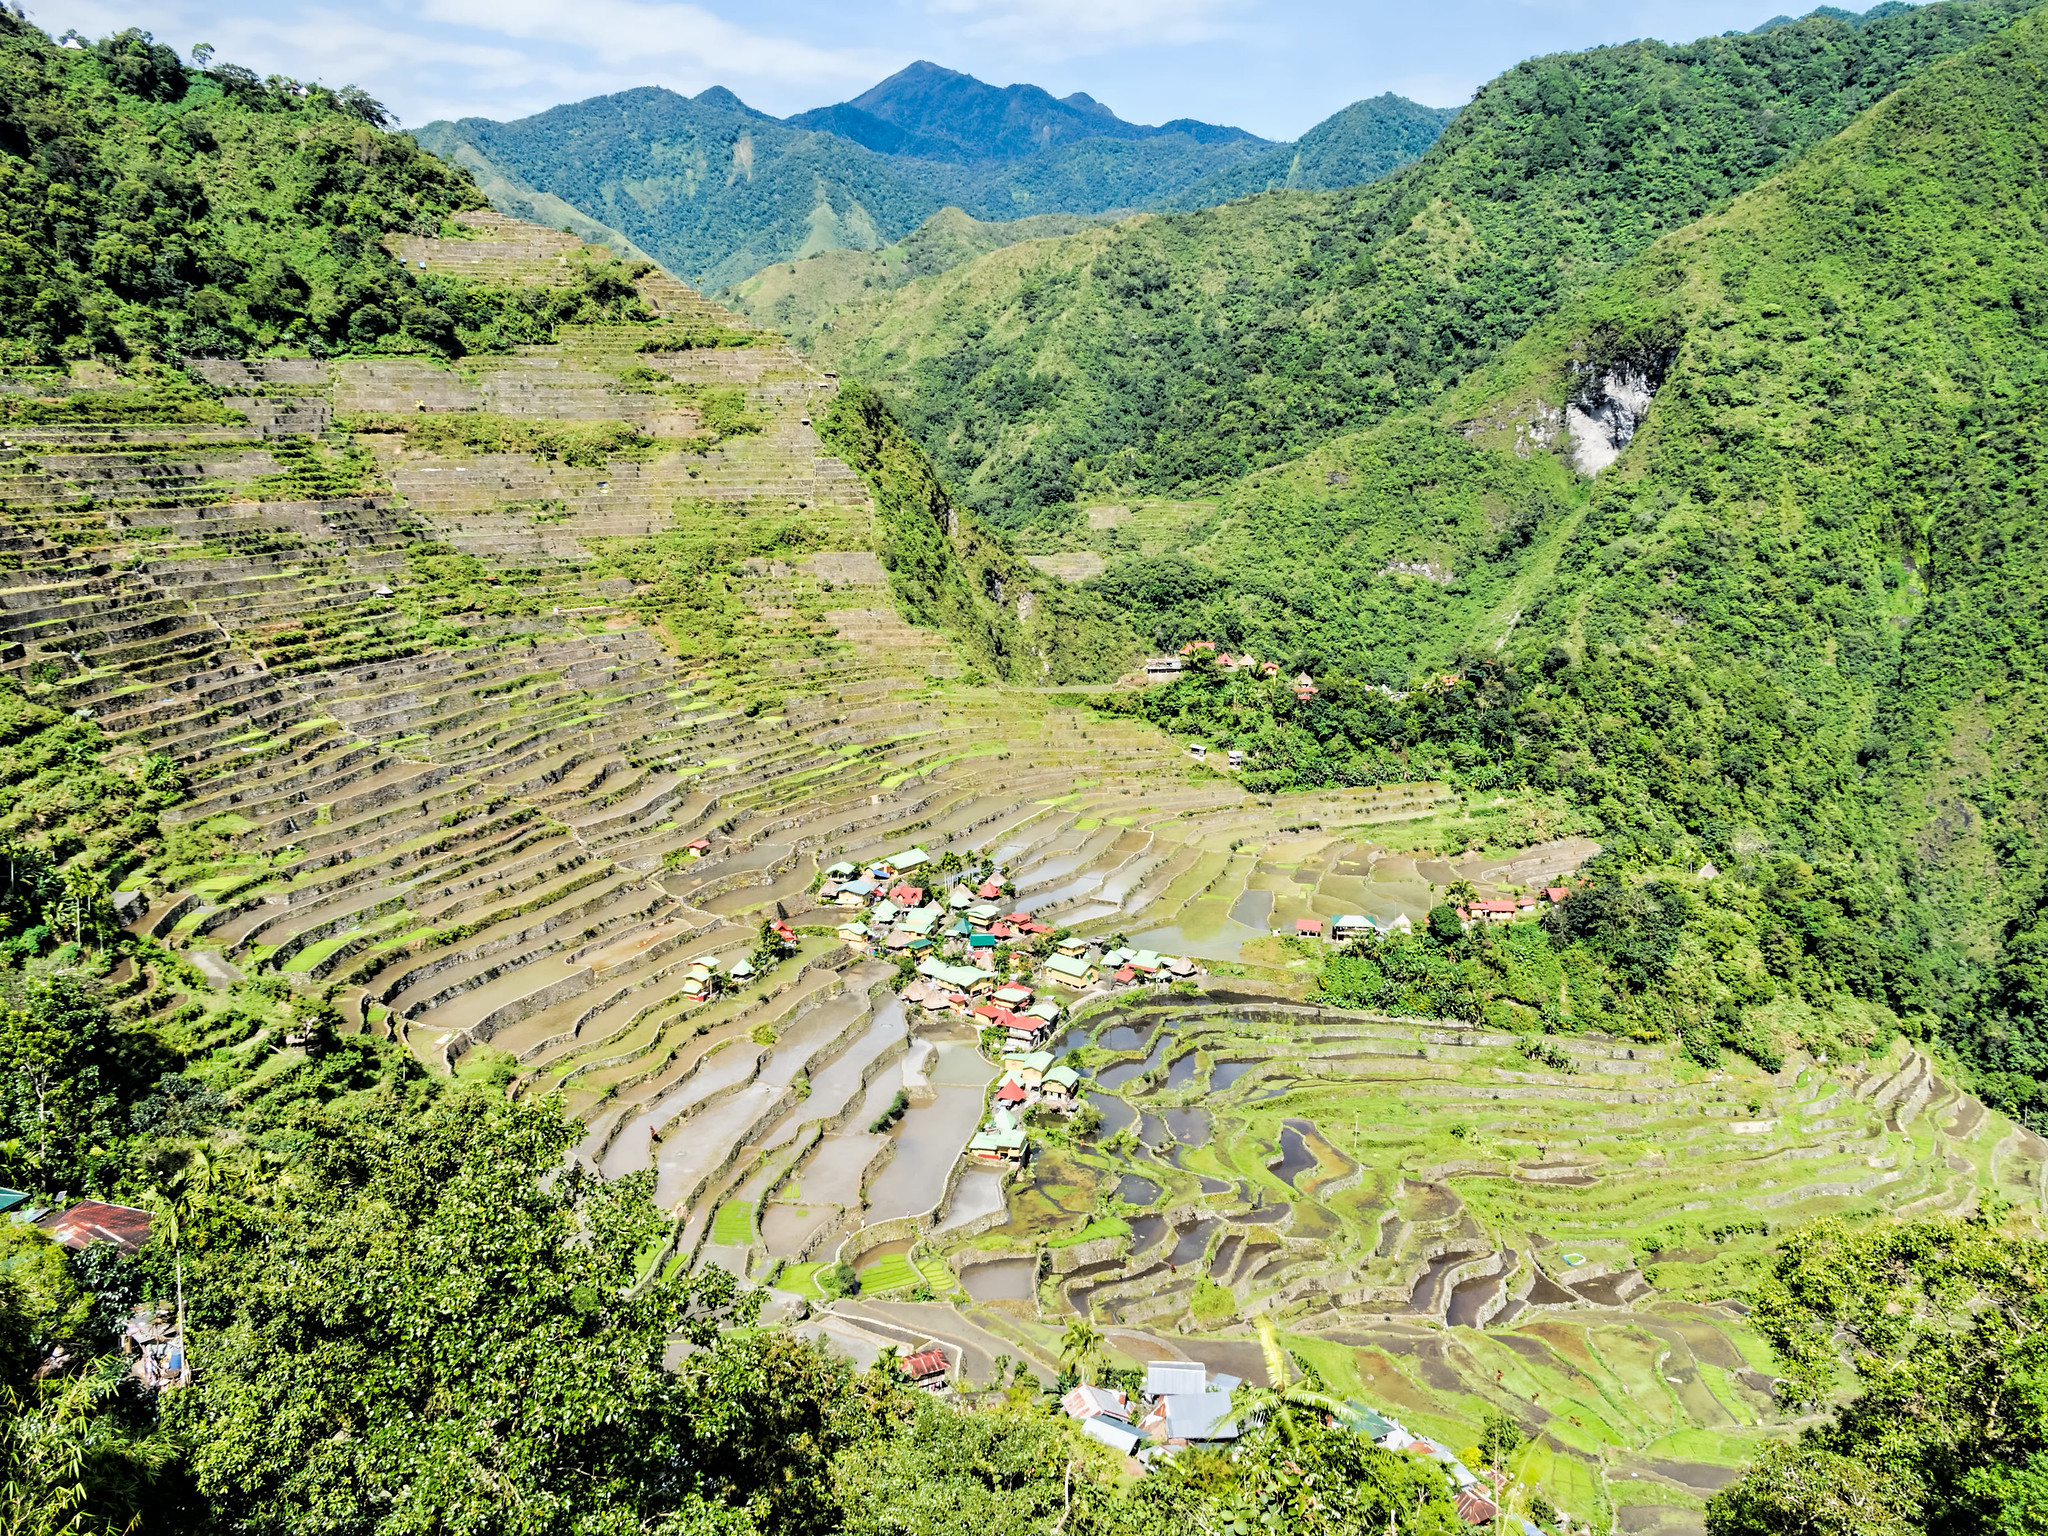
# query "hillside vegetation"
(1182, 351)
(1367, 140)
(148, 205)
(799, 296)
(1798, 619)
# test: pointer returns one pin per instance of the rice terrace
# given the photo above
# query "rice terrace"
(1382, 942)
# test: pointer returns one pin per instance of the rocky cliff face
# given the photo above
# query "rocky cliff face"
(1604, 413)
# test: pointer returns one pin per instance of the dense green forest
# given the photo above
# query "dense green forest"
(147, 204)
(1181, 352)
(1367, 140)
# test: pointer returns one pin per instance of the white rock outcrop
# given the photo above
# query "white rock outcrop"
(1604, 416)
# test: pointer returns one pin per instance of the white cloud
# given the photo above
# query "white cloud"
(1063, 28)
(624, 33)
(496, 58)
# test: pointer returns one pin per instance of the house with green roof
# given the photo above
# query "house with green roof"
(1070, 971)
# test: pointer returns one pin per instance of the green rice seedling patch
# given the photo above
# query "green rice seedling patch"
(733, 1226)
(891, 1272)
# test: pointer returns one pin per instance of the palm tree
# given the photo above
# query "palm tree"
(174, 1201)
(1081, 1350)
(1285, 1405)
(82, 889)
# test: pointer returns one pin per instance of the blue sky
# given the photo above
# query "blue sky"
(1275, 67)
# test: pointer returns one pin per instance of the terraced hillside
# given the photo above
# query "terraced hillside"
(446, 765)
(1443, 1227)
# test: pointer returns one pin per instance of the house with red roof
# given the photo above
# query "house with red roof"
(925, 1369)
(94, 1221)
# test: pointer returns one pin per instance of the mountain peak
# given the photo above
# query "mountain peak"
(935, 113)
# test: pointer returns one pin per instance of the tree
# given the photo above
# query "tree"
(1082, 1349)
(1445, 926)
(1941, 1325)
(1286, 1407)
(68, 1465)
(61, 1060)
(435, 1323)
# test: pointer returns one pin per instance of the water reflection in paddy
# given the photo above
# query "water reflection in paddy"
(1182, 1072)
(1116, 1114)
(1227, 1073)
(1209, 1186)
(1125, 1037)
(1192, 1242)
(1151, 1130)
(1295, 1157)
(1136, 1191)
(1124, 1072)
(1145, 1231)
(1189, 1127)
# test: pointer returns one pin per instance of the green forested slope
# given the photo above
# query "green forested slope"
(145, 204)
(1185, 350)
(1362, 143)
(935, 113)
(798, 297)
(1800, 618)
(709, 187)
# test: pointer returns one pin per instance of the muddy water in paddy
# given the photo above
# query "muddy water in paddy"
(979, 1193)
(879, 1252)
(1254, 909)
(1001, 1280)
(786, 1228)
(930, 1137)
(1469, 1297)
(1423, 1297)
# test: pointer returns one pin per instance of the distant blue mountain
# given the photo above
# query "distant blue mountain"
(716, 190)
(934, 113)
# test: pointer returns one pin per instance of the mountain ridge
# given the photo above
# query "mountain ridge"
(938, 113)
(717, 190)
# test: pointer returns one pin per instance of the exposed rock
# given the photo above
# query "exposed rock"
(1603, 415)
